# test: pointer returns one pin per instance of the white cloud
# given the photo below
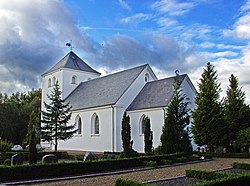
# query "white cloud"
(124, 5)
(213, 55)
(245, 7)
(33, 37)
(173, 7)
(137, 18)
(241, 28)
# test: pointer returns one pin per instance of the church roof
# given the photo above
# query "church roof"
(103, 91)
(72, 61)
(155, 94)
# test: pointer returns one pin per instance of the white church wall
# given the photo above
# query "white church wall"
(87, 141)
(126, 100)
(80, 76)
(46, 89)
(156, 116)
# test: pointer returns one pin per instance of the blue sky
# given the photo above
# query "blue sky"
(118, 34)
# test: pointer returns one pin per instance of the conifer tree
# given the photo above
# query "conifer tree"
(208, 117)
(126, 135)
(236, 112)
(56, 118)
(175, 133)
(148, 137)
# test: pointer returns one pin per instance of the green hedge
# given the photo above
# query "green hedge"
(206, 175)
(21, 172)
(126, 182)
(225, 155)
(218, 178)
(238, 165)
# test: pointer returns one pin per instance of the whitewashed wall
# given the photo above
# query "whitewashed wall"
(87, 141)
(156, 116)
(126, 100)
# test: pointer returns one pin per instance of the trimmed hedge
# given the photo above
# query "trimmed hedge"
(225, 155)
(238, 165)
(219, 178)
(126, 182)
(21, 172)
(206, 175)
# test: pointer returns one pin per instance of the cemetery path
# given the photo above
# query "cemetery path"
(147, 175)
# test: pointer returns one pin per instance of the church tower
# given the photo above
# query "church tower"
(70, 71)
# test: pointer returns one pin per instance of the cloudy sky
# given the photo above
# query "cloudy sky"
(118, 34)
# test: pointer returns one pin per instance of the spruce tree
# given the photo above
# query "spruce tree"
(148, 137)
(55, 119)
(208, 117)
(175, 133)
(236, 112)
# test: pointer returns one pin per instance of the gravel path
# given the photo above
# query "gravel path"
(154, 174)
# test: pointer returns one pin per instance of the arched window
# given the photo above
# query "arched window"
(49, 82)
(73, 80)
(146, 77)
(54, 81)
(142, 124)
(79, 124)
(95, 125)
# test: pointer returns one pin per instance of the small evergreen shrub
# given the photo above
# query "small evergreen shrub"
(126, 182)
(238, 165)
(150, 163)
(5, 146)
(7, 162)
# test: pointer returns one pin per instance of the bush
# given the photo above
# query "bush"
(65, 169)
(7, 162)
(243, 140)
(206, 175)
(121, 182)
(238, 165)
(150, 163)
(5, 146)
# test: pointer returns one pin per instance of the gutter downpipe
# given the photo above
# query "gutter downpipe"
(113, 128)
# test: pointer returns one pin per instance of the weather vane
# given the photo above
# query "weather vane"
(70, 45)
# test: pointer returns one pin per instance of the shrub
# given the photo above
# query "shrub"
(225, 155)
(5, 146)
(122, 182)
(7, 162)
(206, 175)
(238, 165)
(150, 163)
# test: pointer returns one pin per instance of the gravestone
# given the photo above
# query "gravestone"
(49, 158)
(17, 159)
(90, 156)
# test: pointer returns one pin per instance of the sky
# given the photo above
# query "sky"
(113, 35)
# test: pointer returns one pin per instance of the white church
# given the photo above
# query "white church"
(99, 102)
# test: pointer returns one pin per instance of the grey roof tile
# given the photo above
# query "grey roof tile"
(155, 94)
(72, 61)
(104, 90)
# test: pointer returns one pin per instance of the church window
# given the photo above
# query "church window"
(49, 82)
(142, 125)
(146, 77)
(54, 80)
(79, 124)
(95, 125)
(73, 80)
